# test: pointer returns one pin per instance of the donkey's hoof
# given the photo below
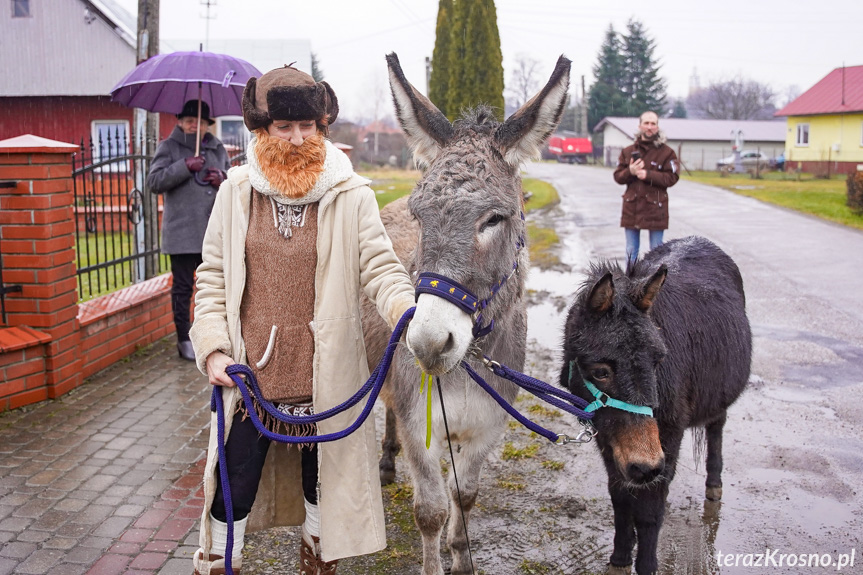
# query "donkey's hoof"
(388, 476)
(713, 493)
(616, 570)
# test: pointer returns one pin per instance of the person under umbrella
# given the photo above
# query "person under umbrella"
(188, 184)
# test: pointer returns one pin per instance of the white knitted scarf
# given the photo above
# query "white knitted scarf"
(337, 169)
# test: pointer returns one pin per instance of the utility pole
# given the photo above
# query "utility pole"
(208, 4)
(584, 128)
(145, 137)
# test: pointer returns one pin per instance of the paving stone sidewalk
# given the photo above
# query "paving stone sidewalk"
(107, 479)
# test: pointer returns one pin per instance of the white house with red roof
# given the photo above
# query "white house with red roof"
(825, 124)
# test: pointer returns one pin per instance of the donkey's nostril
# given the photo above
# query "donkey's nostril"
(448, 345)
(642, 472)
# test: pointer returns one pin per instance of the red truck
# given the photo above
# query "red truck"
(569, 147)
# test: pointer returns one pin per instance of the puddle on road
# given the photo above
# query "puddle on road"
(551, 291)
(801, 396)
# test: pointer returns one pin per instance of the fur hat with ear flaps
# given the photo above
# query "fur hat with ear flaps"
(287, 94)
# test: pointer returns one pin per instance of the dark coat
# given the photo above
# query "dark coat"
(187, 204)
(645, 202)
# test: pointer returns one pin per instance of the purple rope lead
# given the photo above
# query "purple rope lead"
(374, 383)
(539, 388)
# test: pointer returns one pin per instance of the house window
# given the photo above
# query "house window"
(802, 134)
(232, 131)
(110, 140)
(20, 8)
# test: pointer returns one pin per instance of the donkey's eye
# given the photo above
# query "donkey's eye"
(492, 221)
(600, 373)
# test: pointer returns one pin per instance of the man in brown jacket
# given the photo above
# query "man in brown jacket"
(647, 168)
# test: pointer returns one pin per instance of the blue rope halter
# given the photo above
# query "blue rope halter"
(455, 293)
(605, 400)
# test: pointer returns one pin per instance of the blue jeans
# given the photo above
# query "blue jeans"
(633, 241)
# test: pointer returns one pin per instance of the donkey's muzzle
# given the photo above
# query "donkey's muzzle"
(439, 335)
(642, 473)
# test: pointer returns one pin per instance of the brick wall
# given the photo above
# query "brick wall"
(58, 342)
(822, 168)
(118, 324)
(22, 366)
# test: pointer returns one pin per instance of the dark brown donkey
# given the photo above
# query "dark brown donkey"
(671, 334)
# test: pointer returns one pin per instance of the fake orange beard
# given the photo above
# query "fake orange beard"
(291, 170)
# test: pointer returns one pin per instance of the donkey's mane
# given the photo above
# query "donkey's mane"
(480, 119)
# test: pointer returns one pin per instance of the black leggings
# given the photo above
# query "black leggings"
(245, 453)
(183, 268)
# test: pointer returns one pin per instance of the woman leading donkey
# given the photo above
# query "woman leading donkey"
(293, 238)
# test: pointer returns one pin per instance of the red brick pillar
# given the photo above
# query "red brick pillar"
(38, 242)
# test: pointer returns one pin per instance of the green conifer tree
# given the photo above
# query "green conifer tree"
(606, 97)
(439, 80)
(476, 62)
(316, 72)
(679, 110)
(642, 86)
(486, 79)
(457, 88)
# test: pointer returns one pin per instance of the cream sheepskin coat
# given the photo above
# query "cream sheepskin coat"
(354, 252)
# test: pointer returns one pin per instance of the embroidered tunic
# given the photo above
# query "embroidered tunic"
(278, 301)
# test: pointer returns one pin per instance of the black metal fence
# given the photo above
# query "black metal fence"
(116, 220)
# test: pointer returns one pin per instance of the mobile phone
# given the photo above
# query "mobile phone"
(636, 155)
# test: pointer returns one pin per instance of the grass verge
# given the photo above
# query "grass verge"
(804, 193)
(543, 194)
(391, 184)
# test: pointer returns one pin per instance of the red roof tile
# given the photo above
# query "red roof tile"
(828, 95)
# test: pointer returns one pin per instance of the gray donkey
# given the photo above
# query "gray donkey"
(463, 221)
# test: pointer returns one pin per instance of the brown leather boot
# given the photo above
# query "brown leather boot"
(214, 564)
(310, 558)
(327, 568)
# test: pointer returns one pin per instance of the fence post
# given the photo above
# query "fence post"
(38, 227)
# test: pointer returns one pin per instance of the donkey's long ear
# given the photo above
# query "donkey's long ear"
(651, 289)
(520, 137)
(601, 295)
(427, 129)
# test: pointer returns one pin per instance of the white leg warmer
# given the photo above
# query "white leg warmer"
(220, 537)
(312, 525)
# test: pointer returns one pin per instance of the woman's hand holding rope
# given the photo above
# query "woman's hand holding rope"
(217, 362)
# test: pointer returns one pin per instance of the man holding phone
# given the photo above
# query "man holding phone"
(647, 168)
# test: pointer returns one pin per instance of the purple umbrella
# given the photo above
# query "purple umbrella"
(165, 82)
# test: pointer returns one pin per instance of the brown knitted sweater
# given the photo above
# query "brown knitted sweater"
(279, 298)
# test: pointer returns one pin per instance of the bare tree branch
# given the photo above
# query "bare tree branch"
(735, 99)
(524, 80)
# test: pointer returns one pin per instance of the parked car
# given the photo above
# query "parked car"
(749, 159)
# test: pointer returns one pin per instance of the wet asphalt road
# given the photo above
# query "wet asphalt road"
(794, 441)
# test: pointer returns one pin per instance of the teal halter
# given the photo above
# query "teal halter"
(604, 400)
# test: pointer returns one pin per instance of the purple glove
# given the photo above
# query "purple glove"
(215, 177)
(195, 163)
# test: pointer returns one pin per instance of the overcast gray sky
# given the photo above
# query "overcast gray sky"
(783, 43)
